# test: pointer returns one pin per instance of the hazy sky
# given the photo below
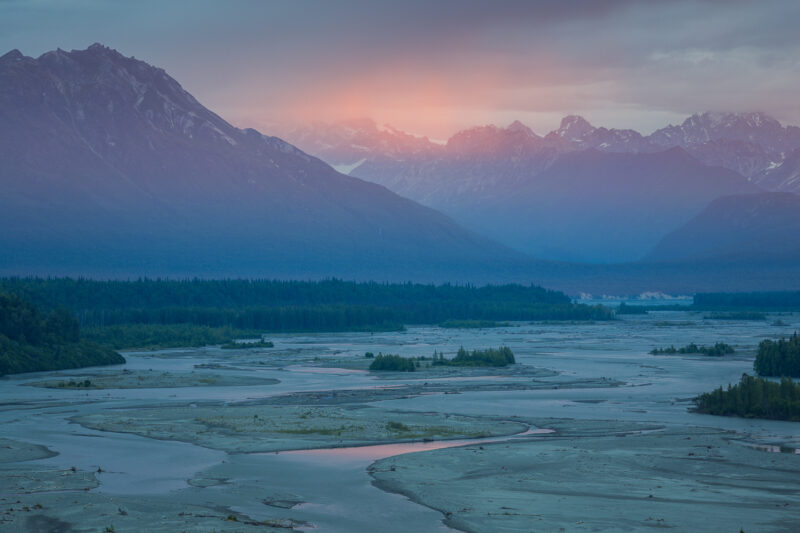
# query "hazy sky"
(434, 66)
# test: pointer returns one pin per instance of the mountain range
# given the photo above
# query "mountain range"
(752, 144)
(578, 193)
(109, 168)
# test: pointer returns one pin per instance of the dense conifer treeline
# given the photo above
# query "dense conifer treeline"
(779, 358)
(754, 398)
(777, 301)
(286, 306)
(159, 336)
(624, 309)
(30, 342)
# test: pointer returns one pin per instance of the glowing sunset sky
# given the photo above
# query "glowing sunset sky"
(432, 67)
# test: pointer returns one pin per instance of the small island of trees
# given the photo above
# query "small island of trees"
(753, 398)
(244, 344)
(502, 356)
(719, 349)
(495, 357)
(757, 397)
(779, 358)
(392, 363)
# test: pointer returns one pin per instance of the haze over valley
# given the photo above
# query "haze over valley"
(343, 267)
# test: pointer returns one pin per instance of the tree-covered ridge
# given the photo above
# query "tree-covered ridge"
(718, 349)
(754, 398)
(779, 358)
(294, 306)
(30, 342)
(22, 322)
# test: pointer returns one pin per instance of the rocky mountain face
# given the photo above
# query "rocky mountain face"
(749, 143)
(578, 134)
(756, 228)
(783, 177)
(757, 128)
(108, 166)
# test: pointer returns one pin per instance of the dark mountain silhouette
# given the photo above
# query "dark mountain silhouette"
(755, 228)
(110, 167)
(594, 206)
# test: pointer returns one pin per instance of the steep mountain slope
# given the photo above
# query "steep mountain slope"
(594, 206)
(783, 177)
(110, 167)
(748, 158)
(757, 228)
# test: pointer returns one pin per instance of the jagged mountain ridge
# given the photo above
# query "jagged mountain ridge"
(110, 167)
(748, 143)
(507, 168)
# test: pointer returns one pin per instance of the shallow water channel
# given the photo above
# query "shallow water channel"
(330, 489)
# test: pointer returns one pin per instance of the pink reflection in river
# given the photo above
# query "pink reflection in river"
(381, 451)
(324, 370)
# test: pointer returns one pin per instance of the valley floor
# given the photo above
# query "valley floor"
(587, 432)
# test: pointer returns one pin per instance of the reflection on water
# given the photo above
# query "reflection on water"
(324, 370)
(381, 451)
